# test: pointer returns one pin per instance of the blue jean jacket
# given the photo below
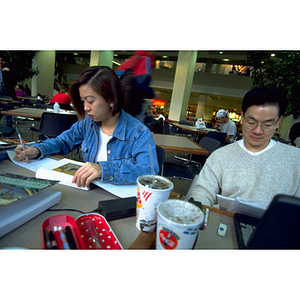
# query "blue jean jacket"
(128, 154)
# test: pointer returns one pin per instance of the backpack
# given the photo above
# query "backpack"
(133, 98)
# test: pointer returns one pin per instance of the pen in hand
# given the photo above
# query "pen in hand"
(21, 141)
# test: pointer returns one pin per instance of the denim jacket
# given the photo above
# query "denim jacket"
(128, 154)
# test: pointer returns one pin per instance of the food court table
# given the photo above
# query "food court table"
(178, 144)
(27, 112)
(29, 235)
(193, 129)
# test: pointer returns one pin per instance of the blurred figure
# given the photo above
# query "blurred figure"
(142, 63)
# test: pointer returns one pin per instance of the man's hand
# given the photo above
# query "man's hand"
(30, 152)
(86, 174)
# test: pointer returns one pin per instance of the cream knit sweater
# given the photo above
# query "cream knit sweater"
(231, 171)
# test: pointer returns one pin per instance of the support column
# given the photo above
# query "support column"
(182, 85)
(201, 106)
(43, 83)
(102, 58)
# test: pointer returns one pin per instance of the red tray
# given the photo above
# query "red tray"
(90, 231)
(63, 221)
(96, 232)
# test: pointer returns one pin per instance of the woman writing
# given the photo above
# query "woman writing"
(114, 145)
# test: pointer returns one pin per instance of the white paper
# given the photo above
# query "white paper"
(34, 163)
(39, 167)
(121, 191)
(240, 206)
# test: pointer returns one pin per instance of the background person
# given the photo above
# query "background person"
(224, 124)
(255, 168)
(294, 134)
(7, 86)
(114, 145)
(61, 98)
(142, 63)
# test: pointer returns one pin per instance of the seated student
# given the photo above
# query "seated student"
(255, 168)
(224, 124)
(294, 135)
(61, 98)
(114, 145)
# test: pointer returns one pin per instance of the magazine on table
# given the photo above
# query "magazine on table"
(15, 187)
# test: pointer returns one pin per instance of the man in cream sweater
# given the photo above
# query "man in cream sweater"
(255, 168)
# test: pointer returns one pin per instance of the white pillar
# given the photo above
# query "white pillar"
(102, 58)
(43, 83)
(182, 85)
(201, 106)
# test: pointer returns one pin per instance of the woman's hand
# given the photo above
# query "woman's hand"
(86, 174)
(30, 152)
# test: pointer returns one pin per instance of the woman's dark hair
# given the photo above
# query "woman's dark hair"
(265, 96)
(102, 80)
(294, 132)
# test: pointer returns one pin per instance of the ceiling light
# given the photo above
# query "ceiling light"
(225, 59)
(221, 52)
(75, 53)
(273, 54)
(165, 56)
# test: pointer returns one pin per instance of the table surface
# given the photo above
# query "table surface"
(28, 112)
(29, 235)
(180, 144)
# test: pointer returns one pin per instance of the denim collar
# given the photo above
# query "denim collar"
(120, 128)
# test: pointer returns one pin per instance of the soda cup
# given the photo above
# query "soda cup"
(151, 190)
(178, 223)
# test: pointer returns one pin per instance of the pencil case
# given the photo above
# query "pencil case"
(88, 231)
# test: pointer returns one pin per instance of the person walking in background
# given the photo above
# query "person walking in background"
(142, 63)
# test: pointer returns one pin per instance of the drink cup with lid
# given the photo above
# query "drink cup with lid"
(178, 223)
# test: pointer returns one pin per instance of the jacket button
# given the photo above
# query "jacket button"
(111, 177)
(108, 151)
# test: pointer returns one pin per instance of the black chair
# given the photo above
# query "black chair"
(188, 171)
(210, 145)
(6, 131)
(158, 126)
(160, 152)
(52, 125)
(166, 127)
(219, 136)
(43, 106)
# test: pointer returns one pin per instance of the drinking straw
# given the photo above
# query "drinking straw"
(151, 161)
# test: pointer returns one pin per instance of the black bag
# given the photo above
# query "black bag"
(133, 97)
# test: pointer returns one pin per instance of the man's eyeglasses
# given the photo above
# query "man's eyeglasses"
(267, 126)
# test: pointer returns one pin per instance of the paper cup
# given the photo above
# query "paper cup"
(178, 223)
(151, 190)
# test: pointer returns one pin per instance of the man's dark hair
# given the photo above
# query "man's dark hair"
(265, 96)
